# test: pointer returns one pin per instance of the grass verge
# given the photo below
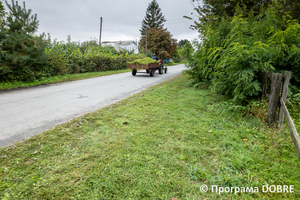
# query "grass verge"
(57, 79)
(160, 144)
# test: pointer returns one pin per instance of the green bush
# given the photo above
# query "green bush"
(70, 58)
(234, 52)
(23, 56)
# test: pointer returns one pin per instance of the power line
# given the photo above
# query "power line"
(134, 22)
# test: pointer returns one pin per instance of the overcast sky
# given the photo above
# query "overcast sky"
(121, 18)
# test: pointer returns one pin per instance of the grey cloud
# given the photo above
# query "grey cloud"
(121, 19)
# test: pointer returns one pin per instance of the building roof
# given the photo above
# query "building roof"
(120, 42)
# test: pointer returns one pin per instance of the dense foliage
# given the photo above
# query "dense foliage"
(211, 11)
(23, 56)
(69, 57)
(153, 19)
(179, 54)
(160, 42)
(233, 53)
(2, 13)
(1, 29)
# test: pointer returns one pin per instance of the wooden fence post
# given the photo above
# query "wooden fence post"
(293, 130)
(265, 80)
(287, 77)
(274, 98)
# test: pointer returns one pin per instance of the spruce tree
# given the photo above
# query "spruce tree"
(25, 57)
(153, 19)
(1, 13)
(2, 30)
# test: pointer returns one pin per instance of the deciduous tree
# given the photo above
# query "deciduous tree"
(160, 42)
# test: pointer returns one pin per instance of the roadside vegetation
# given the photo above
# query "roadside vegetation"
(162, 143)
(64, 78)
(240, 44)
(236, 51)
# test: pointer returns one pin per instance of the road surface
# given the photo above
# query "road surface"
(26, 112)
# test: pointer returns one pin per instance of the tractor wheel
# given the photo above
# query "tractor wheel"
(161, 70)
(134, 72)
(152, 72)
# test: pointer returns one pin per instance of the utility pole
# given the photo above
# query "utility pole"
(100, 31)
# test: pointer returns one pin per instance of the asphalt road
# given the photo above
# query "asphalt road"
(26, 112)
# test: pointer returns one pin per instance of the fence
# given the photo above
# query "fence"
(277, 97)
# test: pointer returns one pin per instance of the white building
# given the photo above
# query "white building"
(129, 45)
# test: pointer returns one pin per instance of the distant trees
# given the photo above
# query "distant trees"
(153, 19)
(183, 51)
(160, 42)
(181, 43)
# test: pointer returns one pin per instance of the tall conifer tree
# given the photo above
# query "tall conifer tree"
(153, 19)
(25, 57)
(2, 35)
(1, 11)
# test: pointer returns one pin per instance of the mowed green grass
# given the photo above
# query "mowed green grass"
(159, 144)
